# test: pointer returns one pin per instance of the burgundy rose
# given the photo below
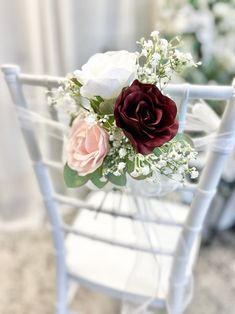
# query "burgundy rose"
(146, 116)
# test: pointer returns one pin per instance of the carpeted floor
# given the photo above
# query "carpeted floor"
(27, 278)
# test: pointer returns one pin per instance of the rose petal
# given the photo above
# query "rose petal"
(146, 116)
(86, 153)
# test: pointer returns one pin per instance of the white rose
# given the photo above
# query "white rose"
(105, 74)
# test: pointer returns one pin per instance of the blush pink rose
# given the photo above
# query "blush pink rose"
(87, 146)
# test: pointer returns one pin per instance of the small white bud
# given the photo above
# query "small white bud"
(164, 43)
(91, 119)
(122, 152)
(167, 171)
(155, 59)
(134, 174)
(144, 52)
(162, 163)
(194, 174)
(49, 100)
(145, 170)
(121, 166)
(154, 34)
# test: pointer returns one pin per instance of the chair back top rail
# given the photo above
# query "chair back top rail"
(212, 92)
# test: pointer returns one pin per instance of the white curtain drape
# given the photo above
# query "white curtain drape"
(55, 37)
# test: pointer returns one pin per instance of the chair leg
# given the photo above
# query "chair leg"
(175, 303)
(61, 299)
(61, 284)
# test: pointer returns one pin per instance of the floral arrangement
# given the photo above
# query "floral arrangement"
(209, 35)
(121, 122)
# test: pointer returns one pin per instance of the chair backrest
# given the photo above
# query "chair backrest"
(204, 190)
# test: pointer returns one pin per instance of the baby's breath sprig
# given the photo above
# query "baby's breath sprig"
(172, 160)
(66, 98)
(159, 59)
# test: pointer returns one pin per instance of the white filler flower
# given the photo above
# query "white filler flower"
(105, 74)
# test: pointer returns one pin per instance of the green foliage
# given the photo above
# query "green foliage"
(107, 107)
(117, 180)
(96, 178)
(95, 104)
(76, 82)
(157, 151)
(72, 179)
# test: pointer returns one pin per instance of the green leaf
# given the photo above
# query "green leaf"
(94, 105)
(72, 179)
(99, 99)
(95, 178)
(157, 151)
(72, 118)
(130, 166)
(76, 82)
(117, 180)
(107, 106)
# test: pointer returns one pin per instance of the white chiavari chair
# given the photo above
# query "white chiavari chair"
(108, 235)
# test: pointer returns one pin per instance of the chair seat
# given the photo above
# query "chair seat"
(123, 272)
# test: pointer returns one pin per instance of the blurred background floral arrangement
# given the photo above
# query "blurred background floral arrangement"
(207, 28)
